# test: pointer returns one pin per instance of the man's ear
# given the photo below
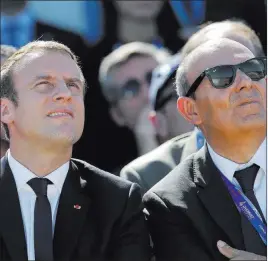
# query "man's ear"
(117, 116)
(7, 110)
(188, 109)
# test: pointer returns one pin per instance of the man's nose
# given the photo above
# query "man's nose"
(243, 81)
(63, 92)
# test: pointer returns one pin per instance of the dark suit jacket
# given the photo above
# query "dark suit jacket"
(190, 210)
(150, 168)
(109, 225)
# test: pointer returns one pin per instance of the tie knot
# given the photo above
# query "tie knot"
(39, 185)
(246, 177)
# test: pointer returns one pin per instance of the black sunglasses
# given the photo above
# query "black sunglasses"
(131, 88)
(223, 76)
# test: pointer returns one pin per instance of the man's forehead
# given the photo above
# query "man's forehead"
(142, 60)
(40, 61)
(219, 46)
(229, 33)
(214, 53)
(135, 67)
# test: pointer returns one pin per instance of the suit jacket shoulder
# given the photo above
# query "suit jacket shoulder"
(148, 169)
(104, 185)
(108, 226)
(192, 209)
(176, 188)
(117, 208)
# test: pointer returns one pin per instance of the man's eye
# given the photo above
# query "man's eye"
(44, 83)
(44, 86)
(75, 88)
(72, 84)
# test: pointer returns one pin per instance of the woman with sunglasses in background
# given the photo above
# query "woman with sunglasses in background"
(125, 77)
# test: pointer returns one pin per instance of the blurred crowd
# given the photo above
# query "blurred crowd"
(129, 51)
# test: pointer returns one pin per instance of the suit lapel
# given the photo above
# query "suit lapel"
(11, 223)
(216, 198)
(71, 215)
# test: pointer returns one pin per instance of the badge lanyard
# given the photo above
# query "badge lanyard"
(245, 207)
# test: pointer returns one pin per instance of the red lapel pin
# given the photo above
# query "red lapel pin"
(77, 206)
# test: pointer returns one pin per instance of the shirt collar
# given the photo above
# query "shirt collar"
(260, 156)
(22, 175)
(228, 167)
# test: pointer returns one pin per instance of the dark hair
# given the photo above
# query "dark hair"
(4, 141)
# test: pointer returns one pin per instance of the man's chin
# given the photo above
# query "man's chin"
(63, 140)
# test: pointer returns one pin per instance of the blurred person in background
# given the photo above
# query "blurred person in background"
(19, 27)
(137, 21)
(54, 207)
(5, 51)
(171, 129)
(235, 29)
(218, 10)
(155, 165)
(97, 144)
(125, 77)
(163, 98)
(124, 22)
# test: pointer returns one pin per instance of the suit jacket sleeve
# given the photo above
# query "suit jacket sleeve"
(132, 243)
(173, 234)
(132, 175)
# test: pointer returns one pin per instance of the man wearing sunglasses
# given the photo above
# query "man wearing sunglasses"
(148, 169)
(219, 193)
(125, 77)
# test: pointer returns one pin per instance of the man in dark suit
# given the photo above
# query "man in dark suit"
(196, 204)
(54, 207)
(150, 168)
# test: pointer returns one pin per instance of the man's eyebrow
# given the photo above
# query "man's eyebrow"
(41, 77)
(74, 80)
(68, 79)
(49, 77)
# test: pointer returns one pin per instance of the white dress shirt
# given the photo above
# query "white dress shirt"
(228, 168)
(27, 196)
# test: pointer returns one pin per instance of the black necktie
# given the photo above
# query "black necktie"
(246, 179)
(43, 242)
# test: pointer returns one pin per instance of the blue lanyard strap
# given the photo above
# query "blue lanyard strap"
(245, 207)
(200, 139)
